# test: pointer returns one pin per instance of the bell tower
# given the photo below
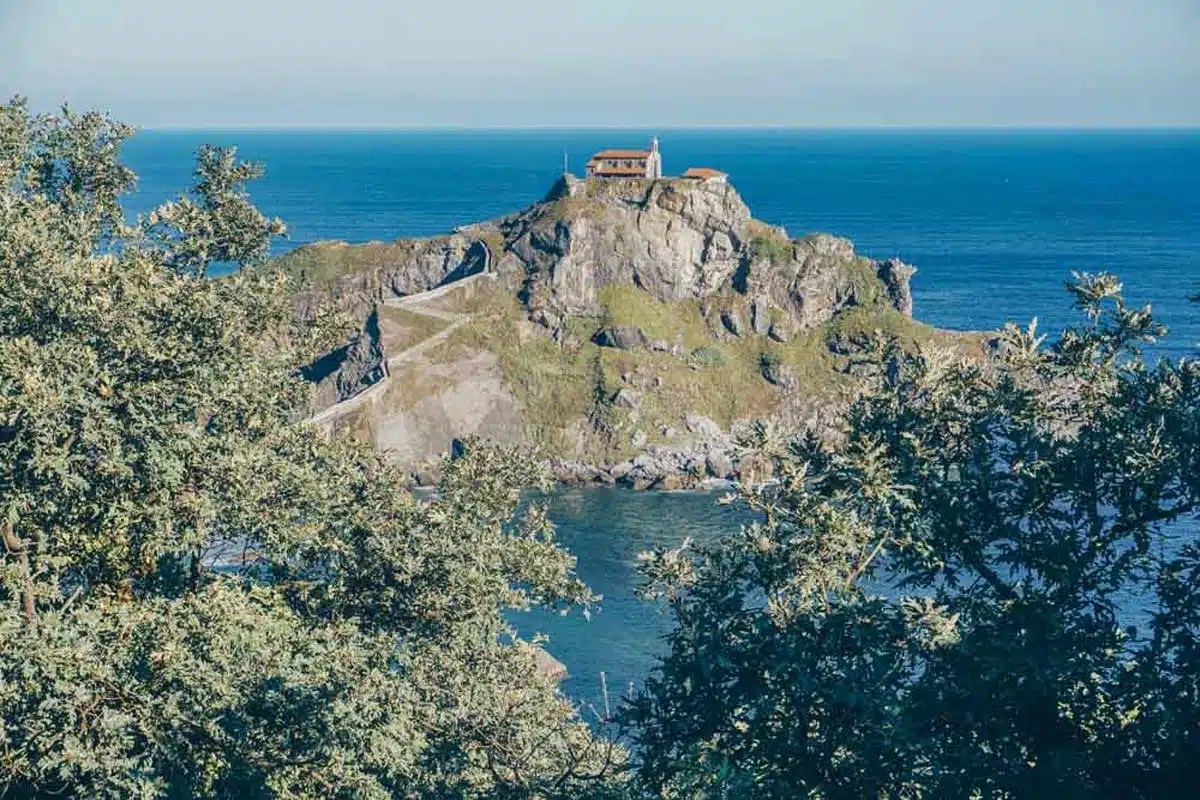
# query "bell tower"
(654, 162)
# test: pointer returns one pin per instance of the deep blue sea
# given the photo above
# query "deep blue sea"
(994, 221)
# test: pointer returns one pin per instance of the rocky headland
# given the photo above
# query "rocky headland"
(625, 327)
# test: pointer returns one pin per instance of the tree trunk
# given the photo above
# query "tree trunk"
(195, 571)
(21, 550)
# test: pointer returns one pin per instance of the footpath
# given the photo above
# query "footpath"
(413, 303)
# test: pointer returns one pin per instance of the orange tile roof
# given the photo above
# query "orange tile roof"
(638, 172)
(704, 172)
(622, 154)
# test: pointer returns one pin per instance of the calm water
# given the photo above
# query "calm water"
(994, 221)
(606, 529)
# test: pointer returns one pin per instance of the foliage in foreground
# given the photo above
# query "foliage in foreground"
(936, 605)
(950, 600)
(353, 645)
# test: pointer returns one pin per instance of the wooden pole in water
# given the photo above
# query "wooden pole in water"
(604, 691)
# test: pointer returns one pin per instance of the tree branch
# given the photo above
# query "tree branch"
(21, 550)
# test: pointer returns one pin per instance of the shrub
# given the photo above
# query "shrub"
(772, 248)
(936, 601)
(146, 427)
(768, 363)
(708, 357)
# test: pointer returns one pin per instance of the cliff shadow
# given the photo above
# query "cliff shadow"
(475, 262)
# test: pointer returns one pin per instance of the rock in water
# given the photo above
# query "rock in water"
(620, 471)
(673, 483)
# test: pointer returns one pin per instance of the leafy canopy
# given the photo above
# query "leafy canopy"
(352, 643)
(936, 604)
(950, 600)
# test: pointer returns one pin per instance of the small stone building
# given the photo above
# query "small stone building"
(706, 175)
(626, 163)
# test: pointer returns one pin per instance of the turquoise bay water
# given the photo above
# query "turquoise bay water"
(994, 221)
(606, 529)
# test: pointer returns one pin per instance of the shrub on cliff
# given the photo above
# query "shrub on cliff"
(976, 592)
(770, 247)
(351, 646)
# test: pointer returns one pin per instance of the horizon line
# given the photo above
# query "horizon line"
(385, 126)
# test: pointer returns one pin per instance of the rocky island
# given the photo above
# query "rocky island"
(626, 327)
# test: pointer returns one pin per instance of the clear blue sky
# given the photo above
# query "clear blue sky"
(610, 62)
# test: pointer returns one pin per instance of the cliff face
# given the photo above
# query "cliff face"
(673, 239)
(359, 278)
(679, 240)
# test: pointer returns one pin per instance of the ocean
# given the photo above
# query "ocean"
(994, 221)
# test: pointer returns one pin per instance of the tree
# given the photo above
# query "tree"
(942, 602)
(200, 597)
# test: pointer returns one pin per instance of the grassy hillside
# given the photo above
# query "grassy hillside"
(562, 385)
(319, 265)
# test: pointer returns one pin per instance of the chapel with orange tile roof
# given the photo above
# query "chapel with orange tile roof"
(646, 164)
(619, 163)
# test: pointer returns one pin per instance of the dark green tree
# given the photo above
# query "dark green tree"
(948, 599)
(352, 643)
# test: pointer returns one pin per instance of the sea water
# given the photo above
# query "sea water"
(995, 221)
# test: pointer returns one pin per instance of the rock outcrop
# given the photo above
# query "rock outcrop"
(679, 240)
(622, 337)
(702, 455)
(896, 277)
(753, 286)
(371, 273)
(350, 369)
(674, 239)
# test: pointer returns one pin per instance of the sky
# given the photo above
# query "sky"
(621, 63)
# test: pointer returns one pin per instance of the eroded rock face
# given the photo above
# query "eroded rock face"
(388, 270)
(812, 279)
(679, 240)
(673, 239)
(896, 277)
(622, 337)
(350, 369)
